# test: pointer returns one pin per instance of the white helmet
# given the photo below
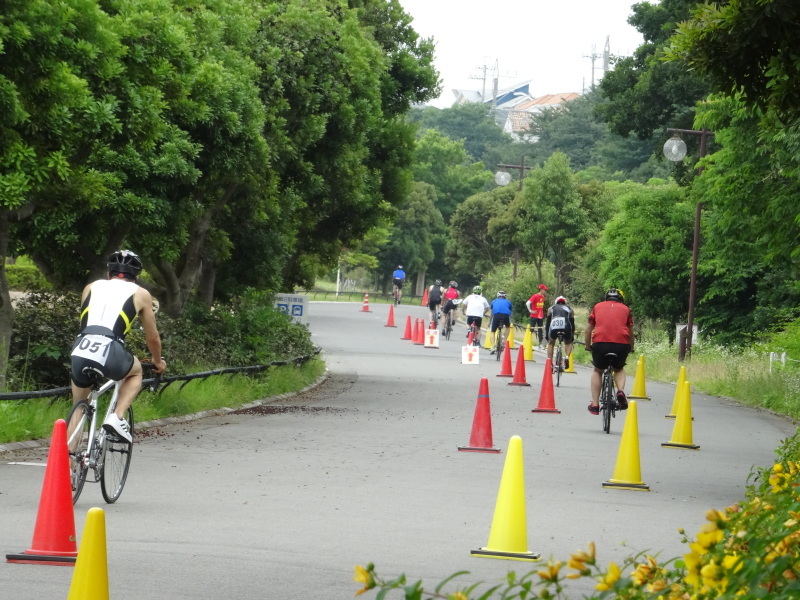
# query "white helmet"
(561, 300)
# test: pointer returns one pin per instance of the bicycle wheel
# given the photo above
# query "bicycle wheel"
(79, 422)
(116, 462)
(500, 344)
(558, 365)
(606, 401)
(448, 327)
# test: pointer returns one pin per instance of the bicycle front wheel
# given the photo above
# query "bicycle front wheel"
(79, 435)
(606, 402)
(116, 462)
(448, 328)
(558, 366)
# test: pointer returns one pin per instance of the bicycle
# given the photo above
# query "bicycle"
(91, 447)
(501, 343)
(476, 334)
(396, 293)
(558, 358)
(608, 402)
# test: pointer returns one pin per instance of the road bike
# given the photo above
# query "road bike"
(476, 334)
(501, 342)
(450, 319)
(92, 448)
(608, 402)
(558, 358)
(396, 293)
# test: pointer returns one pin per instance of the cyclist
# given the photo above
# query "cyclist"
(474, 307)
(108, 307)
(535, 305)
(610, 329)
(450, 295)
(560, 319)
(501, 316)
(435, 294)
(398, 279)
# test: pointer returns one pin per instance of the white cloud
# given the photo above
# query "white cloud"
(546, 42)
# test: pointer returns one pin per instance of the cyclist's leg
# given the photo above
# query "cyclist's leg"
(551, 342)
(131, 385)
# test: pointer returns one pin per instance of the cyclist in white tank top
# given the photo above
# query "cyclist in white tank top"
(108, 308)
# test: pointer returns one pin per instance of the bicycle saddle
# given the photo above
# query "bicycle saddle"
(95, 375)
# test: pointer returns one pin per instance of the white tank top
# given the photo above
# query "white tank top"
(109, 304)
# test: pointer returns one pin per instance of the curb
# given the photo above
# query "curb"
(31, 444)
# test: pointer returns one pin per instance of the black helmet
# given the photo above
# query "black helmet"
(615, 294)
(438, 282)
(453, 284)
(125, 261)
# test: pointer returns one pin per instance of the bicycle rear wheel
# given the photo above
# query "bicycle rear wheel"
(448, 327)
(606, 402)
(558, 365)
(116, 462)
(500, 344)
(79, 423)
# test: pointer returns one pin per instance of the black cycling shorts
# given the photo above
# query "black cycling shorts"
(398, 282)
(500, 320)
(433, 305)
(601, 349)
(118, 364)
(448, 306)
(477, 320)
(568, 335)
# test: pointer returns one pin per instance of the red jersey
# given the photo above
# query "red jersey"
(537, 306)
(451, 294)
(611, 321)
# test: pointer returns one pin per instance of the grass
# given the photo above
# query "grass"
(33, 419)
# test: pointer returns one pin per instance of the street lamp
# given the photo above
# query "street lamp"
(675, 150)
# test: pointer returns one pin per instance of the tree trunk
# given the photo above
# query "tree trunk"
(208, 277)
(6, 309)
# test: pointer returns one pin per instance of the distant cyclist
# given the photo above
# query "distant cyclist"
(435, 295)
(501, 316)
(398, 279)
(451, 294)
(475, 307)
(108, 307)
(535, 305)
(609, 330)
(560, 319)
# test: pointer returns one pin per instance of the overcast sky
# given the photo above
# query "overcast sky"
(545, 41)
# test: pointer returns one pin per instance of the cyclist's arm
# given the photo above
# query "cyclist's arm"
(587, 336)
(152, 337)
(630, 335)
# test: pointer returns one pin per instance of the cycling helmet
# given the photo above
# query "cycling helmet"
(615, 294)
(125, 262)
(561, 300)
(477, 289)
(399, 266)
(453, 284)
(438, 282)
(501, 294)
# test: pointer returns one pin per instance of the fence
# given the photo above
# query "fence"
(165, 382)
(354, 296)
(775, 357)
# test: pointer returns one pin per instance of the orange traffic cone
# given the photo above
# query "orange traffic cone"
(519, 372)
(390, 320)
(470, 337)
(508, 537)
(407, 334)
(505, 364)
(425, 297)
(54, 541)
(481, 438)
(365, 306)
(419, 340)
(90, 579)
(547, 403)
(628, 470)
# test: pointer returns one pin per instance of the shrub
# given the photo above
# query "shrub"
(26, 278)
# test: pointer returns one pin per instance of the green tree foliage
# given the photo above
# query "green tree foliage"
(444, 164)
(645, 249)
(644, 93)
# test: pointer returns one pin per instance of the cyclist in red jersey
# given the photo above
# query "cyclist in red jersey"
(450, 295)
(609, 330)
(535, 305)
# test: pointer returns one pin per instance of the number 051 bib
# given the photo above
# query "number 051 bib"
(93, 347)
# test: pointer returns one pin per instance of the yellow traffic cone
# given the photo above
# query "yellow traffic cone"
(679, 389)
(682, 431)
(508, 538)
(90, 579)
(639, 391)
(628, 472)
(527, 344)
(570, 365)
(511, 336)
(489, 338)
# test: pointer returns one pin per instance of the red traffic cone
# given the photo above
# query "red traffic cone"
(425, 297)
(54, 540)
(407, 333)
(470, 337)
(519, 372)
(505, 364)
(481, 438)
(390, 320)
(547, 403)
(419, 340)
(365, 306)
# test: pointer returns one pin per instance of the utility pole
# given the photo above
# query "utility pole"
(521, 168)
(593, 57)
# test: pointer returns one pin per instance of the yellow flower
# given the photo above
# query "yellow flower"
(364, 576)
(713, 576)
(458, 596)
(583, 557)
(657, 586)
(645, 571)
(551, 573)
(693, 565)
(609, 579)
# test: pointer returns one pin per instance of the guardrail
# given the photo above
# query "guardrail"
(165, 382)
(354, 296)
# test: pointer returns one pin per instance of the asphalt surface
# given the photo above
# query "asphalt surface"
(283, 500)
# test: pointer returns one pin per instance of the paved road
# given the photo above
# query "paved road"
(365, 467)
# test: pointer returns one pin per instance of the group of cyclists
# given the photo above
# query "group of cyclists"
(608, 335)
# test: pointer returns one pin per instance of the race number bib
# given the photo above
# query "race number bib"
(93, 347)
(558, 323)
